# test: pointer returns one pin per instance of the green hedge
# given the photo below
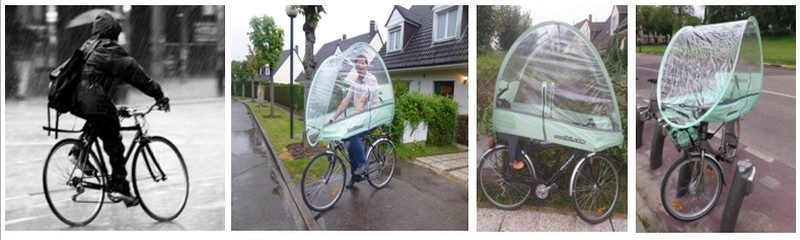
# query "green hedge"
(281, 93)
(438, 112)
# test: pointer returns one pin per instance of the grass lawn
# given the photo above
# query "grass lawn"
(277, 130)
(777, 50)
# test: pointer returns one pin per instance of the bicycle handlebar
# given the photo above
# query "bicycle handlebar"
(126, 112)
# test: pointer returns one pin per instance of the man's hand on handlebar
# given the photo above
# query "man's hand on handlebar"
(163, 104)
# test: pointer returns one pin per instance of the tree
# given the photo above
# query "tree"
(240, 72)
(312, 15)
(485, 24)
(267, 39)
(510, 23)
(253, 64)
(771, 19)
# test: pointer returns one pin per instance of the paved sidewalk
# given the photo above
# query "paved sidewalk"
(530, 220)
(453, 165)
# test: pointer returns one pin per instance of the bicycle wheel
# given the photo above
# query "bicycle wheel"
(74, 197)
(503, 186)
(691, 187)
(323, 181)
(160, 179)
(596, 189)
(381, 161)
(731, 140)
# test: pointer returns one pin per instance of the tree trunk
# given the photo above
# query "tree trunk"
(271, 92)
(309, 63)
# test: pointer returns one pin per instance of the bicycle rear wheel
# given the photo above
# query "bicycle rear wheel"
(381, 163)
(504, 186)
(731, 139)
(160, 179)
(691, 187)
(596, 189)
(323, 181)
(74, 196)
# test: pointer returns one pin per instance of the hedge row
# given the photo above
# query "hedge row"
(281, 93)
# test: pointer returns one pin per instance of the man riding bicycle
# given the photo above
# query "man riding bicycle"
(363, 92)
(106, 65)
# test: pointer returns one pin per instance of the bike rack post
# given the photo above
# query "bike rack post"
(742, 186)
(639, 126)
(657, 145)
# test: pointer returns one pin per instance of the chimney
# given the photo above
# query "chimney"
(590, 18)
(344, 37)
(371, 26)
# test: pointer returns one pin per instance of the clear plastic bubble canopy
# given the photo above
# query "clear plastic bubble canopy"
(711, 73)
(553, 86)
(351, 93)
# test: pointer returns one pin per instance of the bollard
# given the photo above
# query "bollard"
(639, 126)
(657, 146)
(742, 186)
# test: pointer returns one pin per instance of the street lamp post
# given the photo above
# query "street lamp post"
(291, 11)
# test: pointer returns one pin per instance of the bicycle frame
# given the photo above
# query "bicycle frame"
(535, 146)
(337, 146)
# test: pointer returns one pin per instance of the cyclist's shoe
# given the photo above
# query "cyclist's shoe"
(87, 167)
(121, 191)
(353, 180)
(517, 164)
(360, 170)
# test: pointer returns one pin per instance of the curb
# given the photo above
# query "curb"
(305, 213)
(780, 66)
(441, 172)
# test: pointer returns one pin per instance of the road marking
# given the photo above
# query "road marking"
(648, 69)
(778, 94)
(759, 154)
(762, 90)
(25, 219)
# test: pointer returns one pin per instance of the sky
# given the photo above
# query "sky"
(339, 19)
(571, 14)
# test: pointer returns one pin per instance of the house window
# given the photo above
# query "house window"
(395, 39)
(445, 24)
(444, 88)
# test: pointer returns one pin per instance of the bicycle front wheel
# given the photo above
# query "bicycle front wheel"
(381, 163)
(691, 187)
(596, 189)
(503, 185)
(323, 182)
(74, 196)
(160, 179)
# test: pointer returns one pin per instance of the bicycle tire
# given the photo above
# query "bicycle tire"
(495, 187)
(160, 179)
(84, 204)
(597, 180)
(681, 207)
(331, 181)
(381, 156)
(731, 140)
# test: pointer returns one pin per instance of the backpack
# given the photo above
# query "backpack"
(63, 81)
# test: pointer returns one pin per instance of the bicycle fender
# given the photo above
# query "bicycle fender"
(575, 174)
(716, 162)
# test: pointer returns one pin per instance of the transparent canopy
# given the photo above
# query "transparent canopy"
(351, 93)
(711, 73)
(553, 86)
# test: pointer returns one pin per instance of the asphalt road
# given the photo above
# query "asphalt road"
(416, 199)
(260, 199)
(195, 126)
(769, 129)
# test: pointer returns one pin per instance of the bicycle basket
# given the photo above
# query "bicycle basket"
(711, 73)
(337, 80)
(553, 86)
(684, 137)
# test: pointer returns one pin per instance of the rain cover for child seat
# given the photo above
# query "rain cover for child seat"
(711, 73)
(338, 80)
(553, 86)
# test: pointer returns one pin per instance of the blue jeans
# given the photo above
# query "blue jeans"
(356, 151)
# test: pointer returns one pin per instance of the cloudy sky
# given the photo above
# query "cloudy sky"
(339, 19)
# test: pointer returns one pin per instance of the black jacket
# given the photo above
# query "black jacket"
(108, 64)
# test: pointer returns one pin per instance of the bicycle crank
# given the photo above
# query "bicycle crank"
(543, 191)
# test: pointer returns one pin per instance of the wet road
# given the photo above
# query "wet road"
(196, 127)
(259, 198)
(415, 199)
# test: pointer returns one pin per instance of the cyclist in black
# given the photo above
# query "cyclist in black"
(107, 65)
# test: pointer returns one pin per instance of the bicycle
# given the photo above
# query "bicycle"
(324, 176)
(693, 185)
(594, 185)
(76, 191)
